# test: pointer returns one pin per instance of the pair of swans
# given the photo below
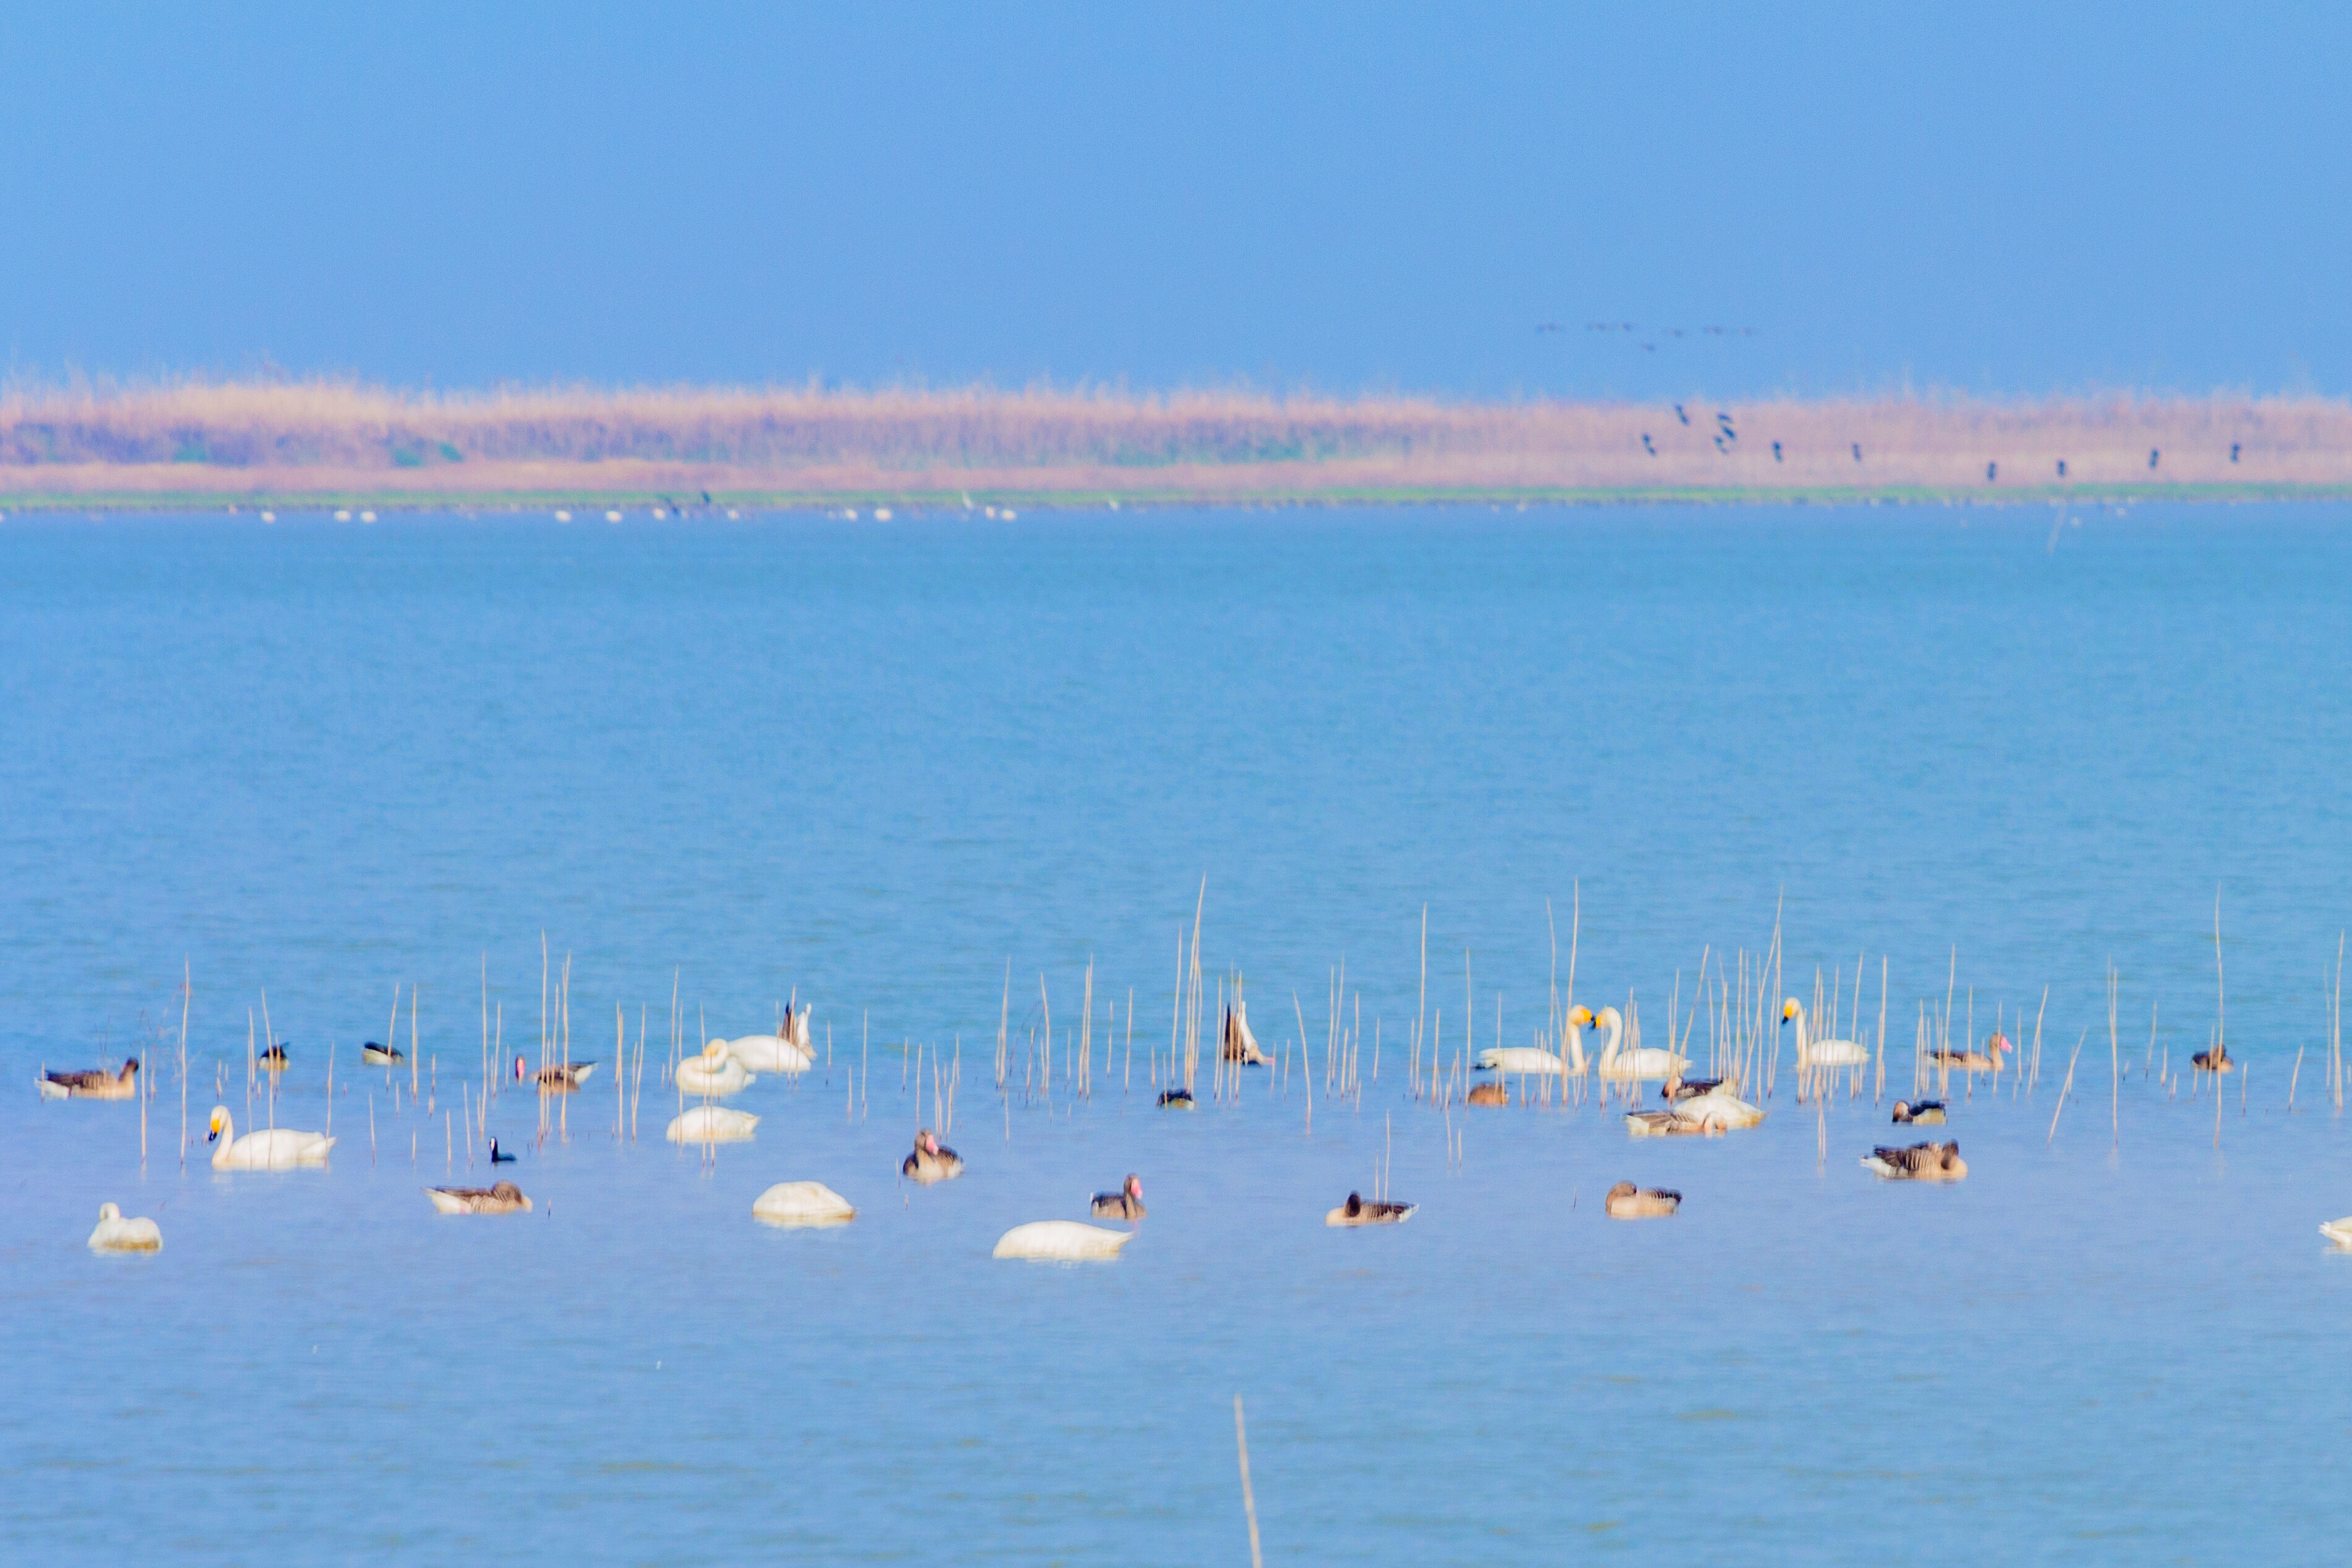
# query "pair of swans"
(274, 1149)
(1616, 1064)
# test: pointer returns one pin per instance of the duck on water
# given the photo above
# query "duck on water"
(95, 1084)
(931, 1161)
(1127, 1203)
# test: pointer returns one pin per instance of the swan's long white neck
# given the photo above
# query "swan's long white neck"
(1804, 1043)
(227, 1138)
(1575, 1039)
(1616, 1027)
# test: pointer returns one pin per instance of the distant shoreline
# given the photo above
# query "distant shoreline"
(322, 446)
(590, 504)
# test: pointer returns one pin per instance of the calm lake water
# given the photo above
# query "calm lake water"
(874, 765)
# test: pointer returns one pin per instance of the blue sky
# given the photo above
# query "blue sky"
(2003, 199)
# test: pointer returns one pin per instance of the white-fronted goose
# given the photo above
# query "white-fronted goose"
(1920, 1162)
(1127, 1203)
(504, 1198)
(1627, 1201)
(930, 1161)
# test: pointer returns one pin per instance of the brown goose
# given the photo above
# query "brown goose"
(1680, 1088)
(1627, 1201)
(1667, 1125)
(1240, 1044)
(1985, 1061)
(930, 1162)
(95, 1084)
(503, 1198)
(1493, 1092)
(1127, 1203)
(1356, 1211)
(556, 1080)
(1926, 1113)
(1920, 1162)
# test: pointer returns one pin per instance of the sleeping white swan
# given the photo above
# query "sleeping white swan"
(1642, 1062)
(712, 1124)
(1821, 1052)
(801, 1203)
(769, 1053)
(2336, 1230)
(274, 1149)
(116, 1234)
(712, 1073)
(1521, 1059)
(1061, 1241)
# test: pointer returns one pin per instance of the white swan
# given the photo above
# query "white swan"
(274, 1149)
(1717, 1111)
(1821, 1052)
(116, 1234)
(769, 1053)
(2336, 1230)
(1526, 1060)
(712, 1124)
(712, 1073)
(800, 1203)
(1061, 1241)
(1642, 1062)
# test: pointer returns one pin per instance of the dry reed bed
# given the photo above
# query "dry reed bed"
(230, 439)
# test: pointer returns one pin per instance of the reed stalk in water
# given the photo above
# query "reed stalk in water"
(1306, 1069)
(1249, 1502)
(2064, 1089)
(187, 984)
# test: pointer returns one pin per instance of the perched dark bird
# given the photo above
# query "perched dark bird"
(2152, 455)
(2234, 451)
(2062, 468)
(1776, 451)
(1857, 452)
(1680, 414)
(1645, 444)
(1993, 472)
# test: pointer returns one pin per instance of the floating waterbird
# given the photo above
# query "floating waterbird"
(1717, 1111)
(272, 1059)
(94, 1084)
(1680, 1088)
(1663, 1125)
(712, 1073)
(796, 1204)
(2336, 1230)
(276, 1149)
(1641, 1062)
(1127, 1203)
(1061, 1241)
(712, 1124)
(1627, 1201)
(1356, 1211)
(1985, 1061)
(1240, 1044)
(1493, 1093)
(1528, 1059)
(1926, 1113)
(504, 1198)
(116, 1234)
(561, 1079)
(787, 1051)
(497, 1158)
(1177, 1099)
(930, 1162)
(374, 1055)
(1821, 1052)
(1920, 1162)
(2214, 1060)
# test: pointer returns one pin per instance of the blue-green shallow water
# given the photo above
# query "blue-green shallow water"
(875, 762)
